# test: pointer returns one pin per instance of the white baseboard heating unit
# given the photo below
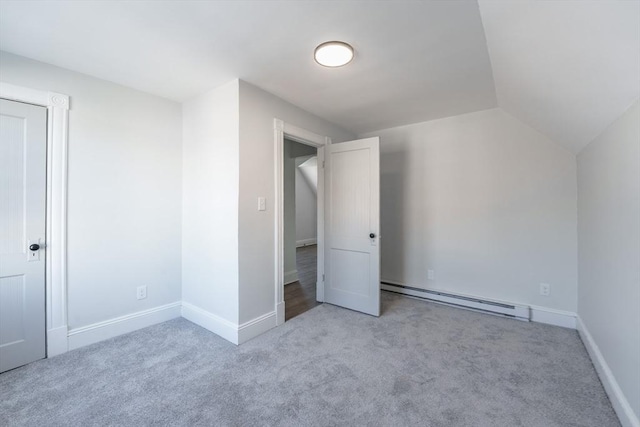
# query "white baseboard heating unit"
(515, 311)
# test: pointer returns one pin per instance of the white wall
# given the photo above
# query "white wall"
(124, 192)
(609, 249)
(486, 202)
(256, 229)
(210, 202)
(306, 206)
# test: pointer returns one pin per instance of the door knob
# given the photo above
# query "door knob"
(34, 247)
(372, 236)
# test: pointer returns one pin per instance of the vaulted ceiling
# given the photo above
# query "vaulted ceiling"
(566, 68)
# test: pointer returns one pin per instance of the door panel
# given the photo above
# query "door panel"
(22, 223)
(347, 266)
(13, 181)
(351, 194)
(352, 172)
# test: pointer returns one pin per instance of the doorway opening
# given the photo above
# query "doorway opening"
(300, 214)
(309, 145)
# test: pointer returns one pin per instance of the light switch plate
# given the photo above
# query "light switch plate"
(262, 204)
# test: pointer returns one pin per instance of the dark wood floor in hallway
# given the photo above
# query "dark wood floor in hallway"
(300, 296)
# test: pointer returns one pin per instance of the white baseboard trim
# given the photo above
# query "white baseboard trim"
(57, 341)
(236, 334)
(80, 337)
(619, 401)
(290, 276)
(306, 242)
(216, 324)
(551, 316)
(257, 326)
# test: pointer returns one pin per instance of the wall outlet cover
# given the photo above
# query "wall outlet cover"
(545, 289)
(141, 292)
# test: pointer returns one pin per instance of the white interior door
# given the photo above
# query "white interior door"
(352, 269)
(23, 145)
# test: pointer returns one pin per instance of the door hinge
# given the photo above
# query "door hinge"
(323, 164)
(323, 277)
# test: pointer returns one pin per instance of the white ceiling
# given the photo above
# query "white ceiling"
(414, 61)
(566, 68)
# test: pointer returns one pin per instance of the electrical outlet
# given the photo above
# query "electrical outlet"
(431, 275)
(545, 289)
(141, 292)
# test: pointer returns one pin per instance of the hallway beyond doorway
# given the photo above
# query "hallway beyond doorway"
(300, 296)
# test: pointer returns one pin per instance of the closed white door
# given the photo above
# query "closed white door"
(352, 274)
(23, 138)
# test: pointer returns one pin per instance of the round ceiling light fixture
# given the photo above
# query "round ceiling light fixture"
(333, 54)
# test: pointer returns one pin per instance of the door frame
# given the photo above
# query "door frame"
(57, 106)
(281, 130)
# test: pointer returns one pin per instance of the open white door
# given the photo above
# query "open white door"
(352, 246)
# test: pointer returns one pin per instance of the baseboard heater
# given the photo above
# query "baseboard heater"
(520, 312)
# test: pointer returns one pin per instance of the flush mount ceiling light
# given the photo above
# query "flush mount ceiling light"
(333, 54)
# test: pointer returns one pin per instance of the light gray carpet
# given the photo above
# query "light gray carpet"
(418, 364)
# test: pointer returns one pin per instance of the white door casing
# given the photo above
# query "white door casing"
(320, 142)
(23, 143)
(352, 226)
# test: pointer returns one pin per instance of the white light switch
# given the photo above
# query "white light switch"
(262, 204)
